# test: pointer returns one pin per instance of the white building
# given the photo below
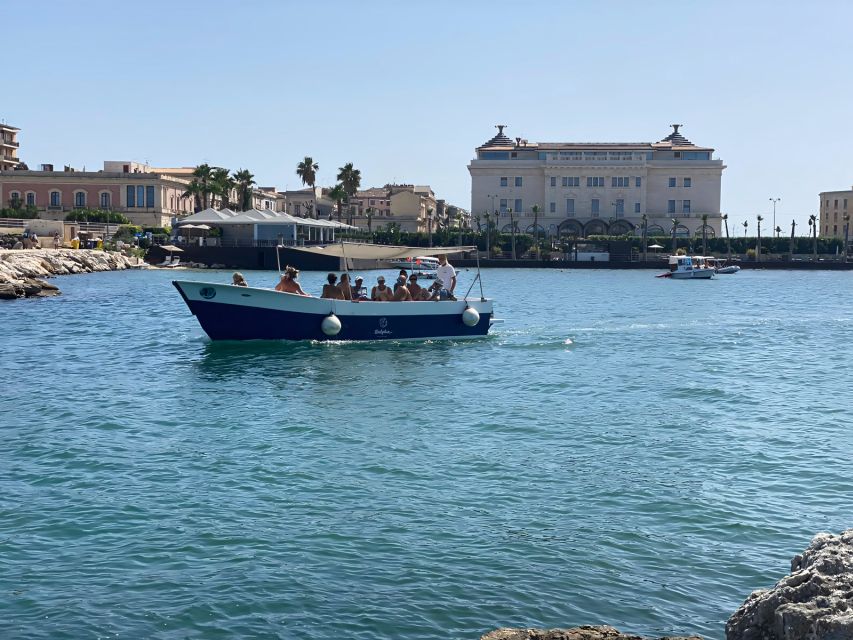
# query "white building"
(598, 188)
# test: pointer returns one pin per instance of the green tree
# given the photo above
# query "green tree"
(535, 210)
(221, 184)
(369, 213)
(350, 179)
(728, 240)
(307, 171)
(244, 181)
(813, 225)
(194, 191)
(704, 234)
(758, 240)
(338, 194)
(203, 176)
(674, 230)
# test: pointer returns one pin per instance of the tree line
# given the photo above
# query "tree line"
(349, 182)
(209, 183)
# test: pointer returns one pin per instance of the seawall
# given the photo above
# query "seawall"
(22, 270)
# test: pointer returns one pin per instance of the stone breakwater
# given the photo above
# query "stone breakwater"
(813, 602)
(21, 271)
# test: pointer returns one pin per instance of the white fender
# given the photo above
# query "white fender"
(331, 325)
(470, 317)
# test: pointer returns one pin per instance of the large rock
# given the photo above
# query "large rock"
(814, 602)
(576, 633)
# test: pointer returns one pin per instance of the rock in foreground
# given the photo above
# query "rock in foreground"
(576, 633)
(814, 602)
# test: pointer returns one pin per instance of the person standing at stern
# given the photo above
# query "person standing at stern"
(447, 274)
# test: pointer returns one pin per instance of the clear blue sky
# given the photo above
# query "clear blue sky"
(407, 90)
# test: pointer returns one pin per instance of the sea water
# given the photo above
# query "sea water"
(623, 450)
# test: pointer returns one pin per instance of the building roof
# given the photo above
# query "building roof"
(226, 217)
(674, 140)
(8, 127)
(372, 192)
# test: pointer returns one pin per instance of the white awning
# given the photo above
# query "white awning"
(379, 251)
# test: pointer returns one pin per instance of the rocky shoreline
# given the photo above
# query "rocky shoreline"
(813, 602)
(22, 270)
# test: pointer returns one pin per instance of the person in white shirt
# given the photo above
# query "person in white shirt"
(447, 274)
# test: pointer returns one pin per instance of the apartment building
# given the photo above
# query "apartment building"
(585, 189)
(9, 147)
(836, 208)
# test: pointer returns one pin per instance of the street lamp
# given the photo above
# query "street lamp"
(774, 201)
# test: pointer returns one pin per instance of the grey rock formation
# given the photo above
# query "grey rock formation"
(575, 633)
(814, 602)
(21, 270)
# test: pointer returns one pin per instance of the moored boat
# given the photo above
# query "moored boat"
(417, 263)
(228, 312)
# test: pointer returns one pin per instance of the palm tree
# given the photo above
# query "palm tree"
(645, 220)
(429, 224)
(745, 225)
(244, 180)
(350, 178)
(728, 240)
(194, 191)
(338, 194)
(704, 234)
(535, 210)
(674, 229)
(791, 243)
(758, 240)
(307, 170)
(221, 185)
(813, 225)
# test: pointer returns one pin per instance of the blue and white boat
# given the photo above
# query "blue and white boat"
(228, 312)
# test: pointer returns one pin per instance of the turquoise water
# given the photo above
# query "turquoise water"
(623, 450)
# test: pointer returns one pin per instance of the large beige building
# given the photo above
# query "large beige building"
(598, 188)
(8, 147)
(834, 207)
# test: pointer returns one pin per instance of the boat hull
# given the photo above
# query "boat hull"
(226, 312)
(697, 274)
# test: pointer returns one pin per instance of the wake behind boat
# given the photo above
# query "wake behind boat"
(228, 312)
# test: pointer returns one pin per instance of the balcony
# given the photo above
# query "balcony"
(9, 143)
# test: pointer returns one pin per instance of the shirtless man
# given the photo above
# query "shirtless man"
(380, 292)
(288, 283)
(331, 290)
(401, 291)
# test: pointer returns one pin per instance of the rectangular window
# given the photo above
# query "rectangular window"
(131, 196)
(589, 181)
(570, 206)
(518, 207)
(140, 196)
(620, 207)
(636, 207)
(836, 203)
(612, 182)
(685, 206)
(503, 205)
(688, 182)
(594, 207)
(552, 208)
(672, 182)
(597, 181)
(372, 202)
(149, 197)
(553, 181)
(670, 206)
(575, 182)
(31, 200)
(504, 182)
(518, 181)
(639, 182)
(565, 181)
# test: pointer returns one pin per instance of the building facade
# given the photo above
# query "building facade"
(146, 198)
(836, 208)
(584, 189)
(9, 147)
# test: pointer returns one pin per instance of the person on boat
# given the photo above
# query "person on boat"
(288, 283)
(380, 292)
(401, 291)
(415, 289)
(238, 280)
(403, 276)
(447, 274)
(359, 292)
(345, 287)
(331, 290)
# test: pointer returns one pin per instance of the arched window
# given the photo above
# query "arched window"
(15, 199)
(31, 199)
(105, 200)
(80, 199)
(55, 199)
